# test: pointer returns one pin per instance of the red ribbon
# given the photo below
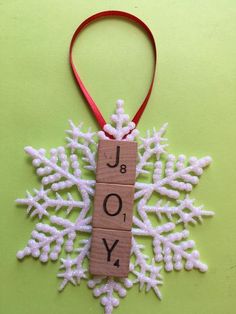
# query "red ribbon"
(101, 121)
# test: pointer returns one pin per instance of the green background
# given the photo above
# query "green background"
(194, 92)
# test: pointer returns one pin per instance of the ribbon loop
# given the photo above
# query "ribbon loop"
(98, 115)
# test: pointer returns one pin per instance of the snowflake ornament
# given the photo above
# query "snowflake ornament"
(66, 218)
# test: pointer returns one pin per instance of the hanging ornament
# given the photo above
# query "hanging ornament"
(105, 230)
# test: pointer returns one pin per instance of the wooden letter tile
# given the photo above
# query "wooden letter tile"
(110, 252)
(113, 206)
(116, 162)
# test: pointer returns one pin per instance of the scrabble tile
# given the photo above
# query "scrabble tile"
(113, 206)
(110, 252)
(116, 162)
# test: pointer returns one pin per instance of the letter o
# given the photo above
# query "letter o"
(119, 205)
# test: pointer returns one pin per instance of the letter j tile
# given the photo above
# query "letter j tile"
(116, 162)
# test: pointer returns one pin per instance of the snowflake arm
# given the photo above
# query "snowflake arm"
(55, 170)
(165, 247)
(74, 269)
(148, 275)
(186, 211)
(177, 177)
(46, 240)
(109, 291)
(39, 203)
(83, 142)
(123, 128)
(153, 144)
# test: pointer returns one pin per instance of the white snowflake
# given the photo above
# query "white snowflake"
(172, 179)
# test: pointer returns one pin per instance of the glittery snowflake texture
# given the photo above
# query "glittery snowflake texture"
(164, 223)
